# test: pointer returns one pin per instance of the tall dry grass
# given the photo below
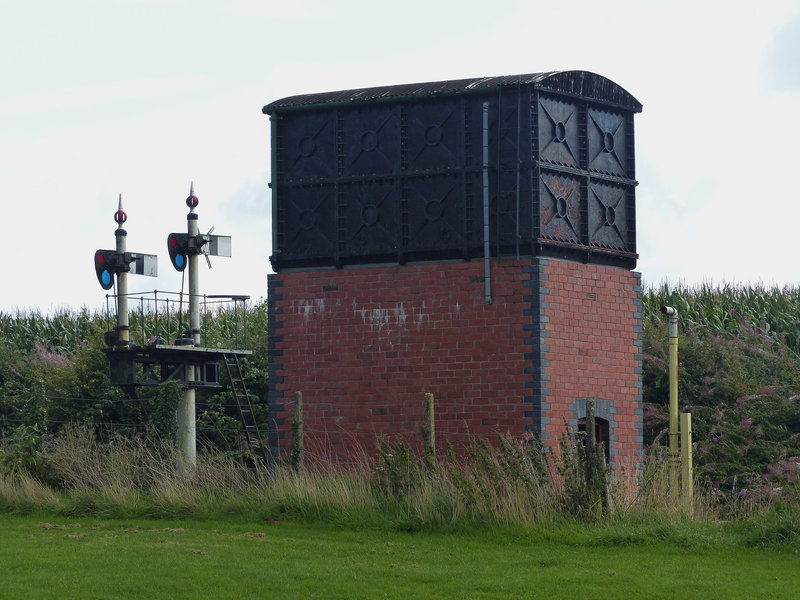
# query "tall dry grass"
(22, 493)
(505, 484)
(139, 476)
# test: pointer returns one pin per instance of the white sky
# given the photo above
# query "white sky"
(140, 97)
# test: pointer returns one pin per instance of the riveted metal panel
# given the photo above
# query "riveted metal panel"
(509, 146)
(609, 209)
(561, 206)
(607, 142)
(307, 231)
(370, 218)
(370, 140)
(560, 132)
(308, 148)
(436, 212)
(395, 173)
(434, 136)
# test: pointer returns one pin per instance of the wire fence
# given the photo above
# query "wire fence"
(51, 424)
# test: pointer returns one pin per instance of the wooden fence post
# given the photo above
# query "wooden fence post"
(296, 457)
(596, 470)
(429, 433)
(687, 474)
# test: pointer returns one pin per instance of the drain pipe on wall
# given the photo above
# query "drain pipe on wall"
(487, 275)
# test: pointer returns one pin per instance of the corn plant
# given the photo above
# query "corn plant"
(728, 309)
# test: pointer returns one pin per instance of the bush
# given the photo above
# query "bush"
(739, 375)
(21, 451)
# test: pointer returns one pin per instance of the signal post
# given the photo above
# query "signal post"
(183, 360)
(185, 249)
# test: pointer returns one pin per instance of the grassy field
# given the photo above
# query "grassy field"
(46, 557)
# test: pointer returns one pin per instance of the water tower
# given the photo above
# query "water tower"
(475, 239)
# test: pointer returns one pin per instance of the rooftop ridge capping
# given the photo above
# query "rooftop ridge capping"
(582, 84)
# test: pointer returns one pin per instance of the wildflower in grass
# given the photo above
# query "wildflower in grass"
(50, 358)
(657, 362)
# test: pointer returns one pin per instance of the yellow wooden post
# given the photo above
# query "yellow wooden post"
(674, 453)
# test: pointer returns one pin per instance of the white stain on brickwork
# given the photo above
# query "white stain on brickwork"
(400, 314)
(419, 318)
(307, 308)
(380, 318)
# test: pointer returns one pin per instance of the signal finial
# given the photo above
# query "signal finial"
(120, 217)
(192, 200)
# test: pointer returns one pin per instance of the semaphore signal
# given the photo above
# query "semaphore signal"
(120, 262)
(181, 246)
(108, 263)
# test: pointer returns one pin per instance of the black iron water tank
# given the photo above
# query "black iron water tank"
(395, 174)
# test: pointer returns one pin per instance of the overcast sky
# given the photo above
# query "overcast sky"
(140, 97)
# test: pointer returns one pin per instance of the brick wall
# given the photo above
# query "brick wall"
(364, 345)
(590, 323)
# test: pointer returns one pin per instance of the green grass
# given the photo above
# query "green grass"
(87, 558)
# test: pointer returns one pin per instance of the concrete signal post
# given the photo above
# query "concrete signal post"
(184, 250)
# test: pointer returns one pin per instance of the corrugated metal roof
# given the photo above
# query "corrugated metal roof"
(579, 83)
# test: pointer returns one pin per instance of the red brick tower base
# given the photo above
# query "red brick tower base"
(363, 345)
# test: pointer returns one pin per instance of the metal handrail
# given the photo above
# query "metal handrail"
(161, 317)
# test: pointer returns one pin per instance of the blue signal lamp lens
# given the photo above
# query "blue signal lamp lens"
(106, 276)
(179, 260)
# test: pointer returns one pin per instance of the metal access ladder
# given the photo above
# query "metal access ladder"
(253, 434)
